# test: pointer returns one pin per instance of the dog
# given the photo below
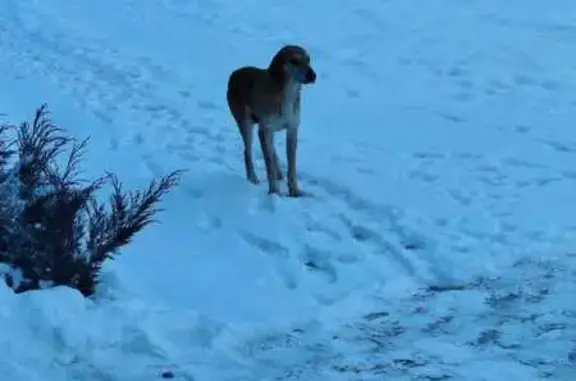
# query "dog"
(271, 98)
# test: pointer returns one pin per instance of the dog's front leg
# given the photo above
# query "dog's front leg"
(266, 143)
(291, 146)
(279, 175)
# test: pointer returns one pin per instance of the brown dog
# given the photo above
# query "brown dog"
(271, 98)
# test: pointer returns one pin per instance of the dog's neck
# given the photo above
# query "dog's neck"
(276, 70)
(284, 84)
(291, 90)
(290, 107)
(287, 87)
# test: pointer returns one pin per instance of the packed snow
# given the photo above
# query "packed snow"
(438, 151)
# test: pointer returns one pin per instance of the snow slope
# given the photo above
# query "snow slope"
(438, 147)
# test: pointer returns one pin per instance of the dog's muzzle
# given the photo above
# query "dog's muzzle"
(310, 76)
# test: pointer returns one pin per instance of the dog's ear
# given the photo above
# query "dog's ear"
(295, 55)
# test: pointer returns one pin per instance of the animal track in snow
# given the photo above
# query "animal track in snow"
(442, 332)
(116, 89)
(280, 254)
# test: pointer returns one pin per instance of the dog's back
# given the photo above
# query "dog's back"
(241, 85)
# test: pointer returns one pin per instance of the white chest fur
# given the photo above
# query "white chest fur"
(291, 106)
(289, 113)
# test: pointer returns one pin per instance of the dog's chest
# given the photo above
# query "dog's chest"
(289, 108)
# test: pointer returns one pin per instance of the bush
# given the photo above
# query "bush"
(53, 229)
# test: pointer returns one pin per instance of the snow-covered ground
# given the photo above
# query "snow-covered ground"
(439, 149)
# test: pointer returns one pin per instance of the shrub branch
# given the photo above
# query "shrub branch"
(53, 228)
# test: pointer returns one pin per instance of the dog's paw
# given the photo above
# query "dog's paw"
(254, 180)
(295, 192)
(274, 191)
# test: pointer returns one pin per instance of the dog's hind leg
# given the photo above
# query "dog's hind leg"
(241, 115)
(246, 130)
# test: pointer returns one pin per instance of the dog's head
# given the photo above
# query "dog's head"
(294, 61)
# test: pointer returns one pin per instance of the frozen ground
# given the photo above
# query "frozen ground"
(439, 148)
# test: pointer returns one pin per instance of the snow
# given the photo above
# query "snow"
(437, 144)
